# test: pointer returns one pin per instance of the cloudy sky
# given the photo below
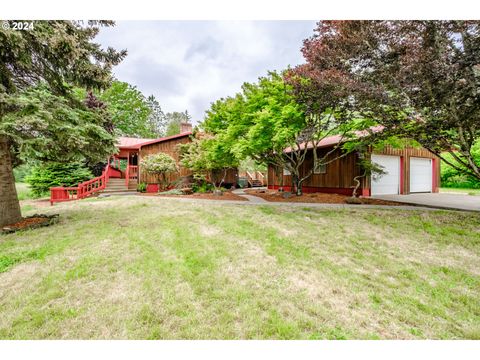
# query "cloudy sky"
(189, 64)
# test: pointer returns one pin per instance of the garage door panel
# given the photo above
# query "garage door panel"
(388, 183)
(420, 175)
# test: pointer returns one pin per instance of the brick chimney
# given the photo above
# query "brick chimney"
(185, 127)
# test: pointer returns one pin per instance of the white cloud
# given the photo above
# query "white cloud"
(189, 64)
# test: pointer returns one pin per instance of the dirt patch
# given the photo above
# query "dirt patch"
(227, 195)
(30, 222)
(44, 202)
(321, 198)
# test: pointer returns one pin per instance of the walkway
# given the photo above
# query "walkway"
(438, 200)
(250, 198)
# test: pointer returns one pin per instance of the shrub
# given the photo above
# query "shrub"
(160, 165)
(202, 187)
(45, 176)
(142, 187)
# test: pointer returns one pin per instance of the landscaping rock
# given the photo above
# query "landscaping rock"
(353, 200)
(217, 192)
(287, 195)
(187, 191)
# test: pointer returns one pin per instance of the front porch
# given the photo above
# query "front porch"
(124, 174)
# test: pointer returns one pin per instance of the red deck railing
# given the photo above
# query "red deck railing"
(131, 173)
(83, 190)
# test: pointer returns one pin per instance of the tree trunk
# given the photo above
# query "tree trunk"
(9, 204)
(297, 185)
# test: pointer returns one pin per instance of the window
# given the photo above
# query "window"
(286, 172)
(320, 168)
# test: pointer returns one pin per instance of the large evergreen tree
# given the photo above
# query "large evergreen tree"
(40, 117)
(157, 120)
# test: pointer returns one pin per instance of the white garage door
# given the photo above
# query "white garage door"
(389, 183)
(420, 175)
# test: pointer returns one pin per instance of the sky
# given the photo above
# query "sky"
(187, 65)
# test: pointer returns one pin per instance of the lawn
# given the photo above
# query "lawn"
(463, 191)
(161, 268)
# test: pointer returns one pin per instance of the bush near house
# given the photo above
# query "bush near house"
(43, 177)
(453, 178)
(160, 165)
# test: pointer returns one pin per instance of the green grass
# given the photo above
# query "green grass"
(472, 192)
(158, 268)
(23, 191)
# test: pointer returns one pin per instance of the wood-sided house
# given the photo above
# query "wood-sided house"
(407, 170)
(133, 150)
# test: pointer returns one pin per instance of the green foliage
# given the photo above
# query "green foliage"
(45, 176)
(173, 121)
(129, 110)
(157, 120)
(208, 158)
(159, 165)
(419, 79)
(202, 187)
(48, 127)
(248, 164)
(40, 116)
(262, 120)
(451, 177)
(142, 187)
(21, 171)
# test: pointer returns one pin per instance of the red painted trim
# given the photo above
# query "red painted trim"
(434, 176)
(114, 173)
(313, 189)
(366, 192)
(402, 175)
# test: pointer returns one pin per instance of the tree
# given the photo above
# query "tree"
(44, 176)
(129, 110)
(174, 119)
(40, 118)
(157, 120)
(266, 123)
(208, 157)
(160, 165)
(420, 79)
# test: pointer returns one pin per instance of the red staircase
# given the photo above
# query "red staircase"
(86, 188)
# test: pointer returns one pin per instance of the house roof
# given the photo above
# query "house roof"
(336, 139)
(137, 143)
(130, 142)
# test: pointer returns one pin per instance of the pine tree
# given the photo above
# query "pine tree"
(40, 118)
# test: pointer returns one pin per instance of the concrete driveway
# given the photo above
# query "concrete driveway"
(440, 200)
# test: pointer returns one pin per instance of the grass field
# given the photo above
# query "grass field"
(158, 268)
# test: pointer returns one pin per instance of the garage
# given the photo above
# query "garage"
(420, 175)
(388, 183)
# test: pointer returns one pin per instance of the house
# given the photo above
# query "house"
(407, 170)
(132, 150)
(124, 172)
